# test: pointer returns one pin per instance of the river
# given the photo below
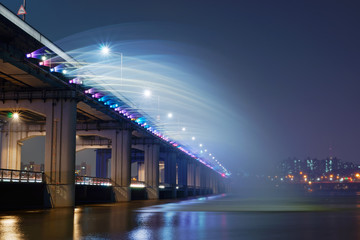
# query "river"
(217, 217)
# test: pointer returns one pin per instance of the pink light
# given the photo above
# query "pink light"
(97, 95)
(89, 91)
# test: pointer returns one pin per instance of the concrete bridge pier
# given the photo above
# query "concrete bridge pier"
(192, 177)
(60, 147)
(202, 179)
(183, 175)
(207, 181)
(197, 178)
(170, 172)
(119, 137)
(152, 152)
(215, 186)
(121, 164)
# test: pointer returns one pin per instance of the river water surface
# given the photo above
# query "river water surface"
(217, 217)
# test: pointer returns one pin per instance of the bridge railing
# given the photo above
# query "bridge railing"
(84, 180)
(10, 175)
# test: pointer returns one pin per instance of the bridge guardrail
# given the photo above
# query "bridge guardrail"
(10, 175)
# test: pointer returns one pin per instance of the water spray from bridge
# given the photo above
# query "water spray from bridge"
(152, 77)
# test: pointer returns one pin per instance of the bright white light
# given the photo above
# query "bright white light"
(193, 138)
(213, 157)
(105, 50)
(16, 116)
(183, 129)
(210, 154)
(137, 185)
(147, 93)
(43, 58)
(200, 145)
(64, 71)
(170, 115)
(161, 186)
(205, 150)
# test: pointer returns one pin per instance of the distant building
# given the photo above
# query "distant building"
(315, 168)
(83, 169)
(32, 166)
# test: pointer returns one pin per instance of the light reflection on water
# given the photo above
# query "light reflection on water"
(192, 219)
(10, 228)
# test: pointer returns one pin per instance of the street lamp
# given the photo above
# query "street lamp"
(15, 116)
(147, 93)
(105, 50)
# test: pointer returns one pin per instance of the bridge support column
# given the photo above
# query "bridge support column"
(60, 151)
(170, 172)
(152, 152)
(183, 175)
(207, 181)
(121, 164)
(12, 134)
(215, 183)
(11, 146)
(202, 179)
(197, 178)
(102, 158)
(192, 176)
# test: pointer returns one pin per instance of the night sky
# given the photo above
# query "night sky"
(286, 72)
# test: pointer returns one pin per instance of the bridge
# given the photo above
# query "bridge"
(38, 99)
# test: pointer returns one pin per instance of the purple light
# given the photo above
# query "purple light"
(89, 91)
(75, 81)
(97, 95)
(29, 55)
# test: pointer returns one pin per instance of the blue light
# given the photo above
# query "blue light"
(104, 98)
(140, 120)
(114, 105)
